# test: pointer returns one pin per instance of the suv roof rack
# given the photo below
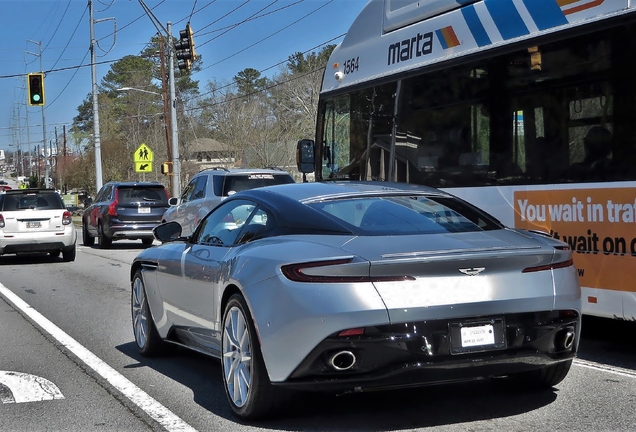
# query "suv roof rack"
(215, 169)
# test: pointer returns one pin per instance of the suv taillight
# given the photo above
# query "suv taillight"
(67, 218)
(1, 221)
(112, 208)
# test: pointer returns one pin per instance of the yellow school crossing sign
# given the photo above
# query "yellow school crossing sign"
(143, 158)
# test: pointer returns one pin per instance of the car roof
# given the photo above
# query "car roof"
(239, 171)
(135, 183)
(290, 200)
(305, 192)
(29, 191)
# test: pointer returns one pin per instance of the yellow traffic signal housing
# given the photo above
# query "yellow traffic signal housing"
(185, 49)
(35, 86)
(166, 168)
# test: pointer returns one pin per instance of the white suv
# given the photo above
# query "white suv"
(36, 221)
(209, 187)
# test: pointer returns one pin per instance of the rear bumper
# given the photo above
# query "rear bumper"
(130, 231)
(38, 242)
(426, 353)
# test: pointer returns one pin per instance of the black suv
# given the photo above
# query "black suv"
(124, 211)
(211, 186)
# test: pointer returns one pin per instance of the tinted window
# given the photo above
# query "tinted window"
(406, 215)
(142, 194)
(237, 183)
(39, 201)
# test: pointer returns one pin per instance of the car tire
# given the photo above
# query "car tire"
(147, 338)
(69, 254)
(540, 379)
(147, 241)
(54, 254)
(87, 239)
(103, 240)
(245, 379)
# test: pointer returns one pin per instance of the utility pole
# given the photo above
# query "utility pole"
(96, 137)
(176, 169)
(166, 108)
(46, 171)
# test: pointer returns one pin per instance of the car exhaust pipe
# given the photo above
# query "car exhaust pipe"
(565, 340)
(342, 361)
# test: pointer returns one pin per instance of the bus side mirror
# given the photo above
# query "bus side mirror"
(305, 158)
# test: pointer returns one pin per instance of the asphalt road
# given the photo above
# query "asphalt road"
(66, 331)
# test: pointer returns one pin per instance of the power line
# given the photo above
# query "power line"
(271, 35)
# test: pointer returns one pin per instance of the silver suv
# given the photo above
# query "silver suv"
(209, 187)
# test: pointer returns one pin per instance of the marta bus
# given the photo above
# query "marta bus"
(525, 108)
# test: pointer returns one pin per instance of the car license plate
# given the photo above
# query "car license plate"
(475, 336)
(143, 210)
(34, 224)
(478, 335)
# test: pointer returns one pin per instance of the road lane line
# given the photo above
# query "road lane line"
(143, 400)
(605, 368)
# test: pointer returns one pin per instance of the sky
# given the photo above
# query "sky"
(54, 36)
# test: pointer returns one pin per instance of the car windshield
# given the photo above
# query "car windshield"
(404, 215)
(237, 183)
(138, 194)
(39, 201)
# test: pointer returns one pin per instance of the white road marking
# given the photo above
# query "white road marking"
(143, 400)
(605, 368)
(28, 388)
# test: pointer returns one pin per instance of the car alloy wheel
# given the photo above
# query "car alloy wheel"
(245, 378)
(237, 356)
(139, 313)
(147, 337)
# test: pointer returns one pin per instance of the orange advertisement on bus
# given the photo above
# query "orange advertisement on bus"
(598, 224)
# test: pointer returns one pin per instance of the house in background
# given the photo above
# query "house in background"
(209, 153)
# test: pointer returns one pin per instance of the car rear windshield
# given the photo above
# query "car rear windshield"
(236, 183)
(404, 215)
(136, 194)
(36, 200)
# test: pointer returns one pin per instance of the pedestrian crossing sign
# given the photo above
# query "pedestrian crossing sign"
(143, 154)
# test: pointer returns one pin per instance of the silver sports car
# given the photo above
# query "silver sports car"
(347, 287)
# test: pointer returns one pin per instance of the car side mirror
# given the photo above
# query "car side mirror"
(167, 232)
(173, 201)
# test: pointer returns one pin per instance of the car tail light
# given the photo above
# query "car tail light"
(553, 266)
(294, 272)
(112, 208)
(1, 221)
(67, 218)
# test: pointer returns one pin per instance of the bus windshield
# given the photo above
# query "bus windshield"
(515, 118)
(525, 109)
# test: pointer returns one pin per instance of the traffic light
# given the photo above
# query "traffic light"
(35, 84)
(185, 49)
(166, 168)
